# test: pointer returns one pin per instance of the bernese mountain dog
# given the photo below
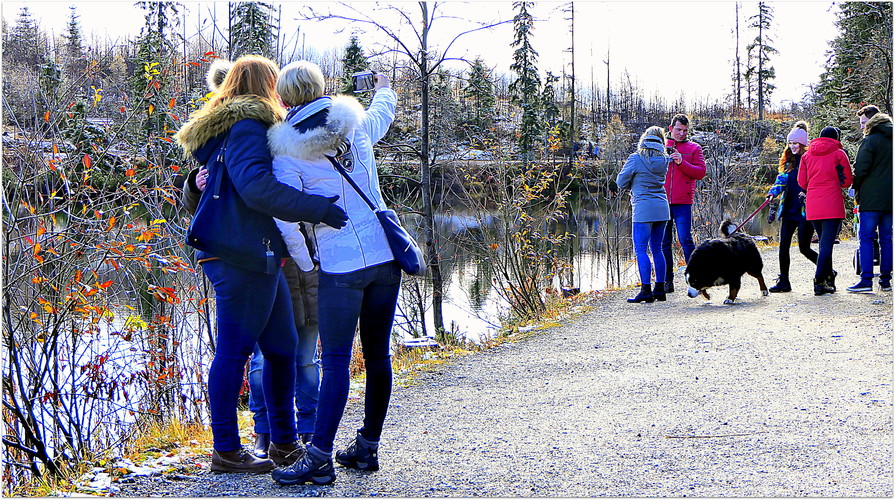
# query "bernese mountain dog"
(723, 261)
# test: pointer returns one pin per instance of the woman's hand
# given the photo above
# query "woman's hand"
(201, 178)
(380, 81)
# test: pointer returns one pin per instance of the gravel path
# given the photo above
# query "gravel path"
(787, 395)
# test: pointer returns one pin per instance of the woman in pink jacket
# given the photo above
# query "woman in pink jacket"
(824, 172)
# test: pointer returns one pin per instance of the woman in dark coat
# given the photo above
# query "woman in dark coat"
(241, 252)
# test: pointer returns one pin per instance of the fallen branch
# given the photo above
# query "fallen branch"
(716, 436)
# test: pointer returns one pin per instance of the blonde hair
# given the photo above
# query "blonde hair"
(250, 75)
(652, 132)
(300, 82)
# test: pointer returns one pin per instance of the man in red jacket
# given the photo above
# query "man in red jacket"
(687, 166)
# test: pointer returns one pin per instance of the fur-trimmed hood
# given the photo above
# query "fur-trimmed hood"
(207, 123)
(317, 127)
(878, 119)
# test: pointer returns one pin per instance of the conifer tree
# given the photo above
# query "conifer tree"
(74, 50)
(252, 30)
(480, 90)
(549, 108)
(525, 88)
(859, 69)
(27, 46)
(761, 51)
(353, 62)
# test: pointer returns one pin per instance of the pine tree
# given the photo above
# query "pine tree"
(525, 88)
(28, 44)
(353, 62)
(444, 112)
(74, 50)
(549, 108)
(480, 90)
(761, 51)
(151, 80)
(859, 69)
(252, 29)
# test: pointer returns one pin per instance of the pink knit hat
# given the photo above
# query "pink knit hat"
(799, 135)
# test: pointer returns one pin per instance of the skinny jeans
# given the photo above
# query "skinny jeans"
(649, 234)
(682, 219)
(827, 230)
(804, 231)
(307, 364)
(252, 308)
(367, 297)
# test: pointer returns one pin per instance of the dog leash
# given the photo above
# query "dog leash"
(753, 215)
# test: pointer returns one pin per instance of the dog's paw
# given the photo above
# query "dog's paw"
(730, 301)
(765, 293)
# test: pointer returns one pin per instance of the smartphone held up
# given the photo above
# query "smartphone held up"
(363, 81)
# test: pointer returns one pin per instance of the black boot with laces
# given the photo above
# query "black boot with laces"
(782, 285)
(360, 454)
(315, 466)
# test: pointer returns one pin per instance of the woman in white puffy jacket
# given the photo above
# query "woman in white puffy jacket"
(359, 279)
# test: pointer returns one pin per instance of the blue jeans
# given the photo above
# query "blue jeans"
(252, 308)
(368, 296)
(827, 230)
(682, 217)
(649, 234)
(307, 384)
(868, 224)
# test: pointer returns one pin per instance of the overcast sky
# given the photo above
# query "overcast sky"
(669, 48)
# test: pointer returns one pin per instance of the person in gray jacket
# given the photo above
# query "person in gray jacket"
(644, 174)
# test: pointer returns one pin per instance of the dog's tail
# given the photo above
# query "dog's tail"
(728, 227)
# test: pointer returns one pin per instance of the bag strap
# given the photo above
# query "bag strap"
(216, 192)
(338, 166)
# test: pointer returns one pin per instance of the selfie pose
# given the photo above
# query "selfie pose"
(359, 280)
(241, 252)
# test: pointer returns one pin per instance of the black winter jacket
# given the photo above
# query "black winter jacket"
(873, 166)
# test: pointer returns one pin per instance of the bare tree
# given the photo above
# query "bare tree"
(425, 64)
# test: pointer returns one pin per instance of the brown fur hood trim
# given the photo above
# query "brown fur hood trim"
(876, 120)
(205, 123)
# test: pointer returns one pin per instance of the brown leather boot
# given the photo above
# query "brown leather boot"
(240, 461)
(285, 453)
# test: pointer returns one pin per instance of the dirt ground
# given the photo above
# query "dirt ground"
(785, 395)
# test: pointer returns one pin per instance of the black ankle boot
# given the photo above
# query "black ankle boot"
(360, 454)
(659, 291)
(782, 285)
(645, 295)
(822, 286)
(262, 443)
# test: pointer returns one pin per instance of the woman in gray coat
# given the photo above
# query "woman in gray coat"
(644, 174)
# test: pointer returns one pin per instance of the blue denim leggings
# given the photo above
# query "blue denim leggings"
(252, 308)
(307, 384)
(868, 224)
(368, 296)
(682, 218)
(649, 234)
(827, 230)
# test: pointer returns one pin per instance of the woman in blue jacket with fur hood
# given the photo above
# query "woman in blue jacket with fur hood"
(644, 174)
(241, 252)
(359, 280)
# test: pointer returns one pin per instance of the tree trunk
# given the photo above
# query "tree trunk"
(760, 61)
(426, 178)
